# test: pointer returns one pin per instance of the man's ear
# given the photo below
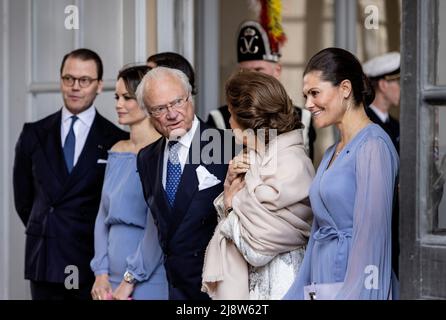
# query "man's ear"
(382, 85)
(100, 87)
(277, 70)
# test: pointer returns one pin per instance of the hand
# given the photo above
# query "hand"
(123, 291)
(230, 190)
(101, 288)
(237, 166)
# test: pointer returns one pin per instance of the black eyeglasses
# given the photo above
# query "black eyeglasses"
(84, 82)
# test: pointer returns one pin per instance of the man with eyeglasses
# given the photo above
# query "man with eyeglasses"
(181, 173)
(58, 173)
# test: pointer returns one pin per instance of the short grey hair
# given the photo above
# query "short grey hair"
(157, 73)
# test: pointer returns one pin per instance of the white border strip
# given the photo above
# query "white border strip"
(4, 290)
(165, 17)
(140, 31)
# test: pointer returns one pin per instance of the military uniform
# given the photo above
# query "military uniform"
(385, 67)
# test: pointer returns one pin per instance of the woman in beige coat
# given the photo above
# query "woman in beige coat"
(264, 213)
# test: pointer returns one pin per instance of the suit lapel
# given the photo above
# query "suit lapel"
(156, 160)
(51, 142)
(153, 181)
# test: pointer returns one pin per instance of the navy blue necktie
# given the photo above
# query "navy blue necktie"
(173, 174)
(69, 145)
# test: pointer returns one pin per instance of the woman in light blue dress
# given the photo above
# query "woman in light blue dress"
(126, 240)
(349, 251)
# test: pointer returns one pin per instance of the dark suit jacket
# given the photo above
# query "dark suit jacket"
(392, 127)
(58, 208)
(184, 230)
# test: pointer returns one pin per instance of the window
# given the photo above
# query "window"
(438, 170)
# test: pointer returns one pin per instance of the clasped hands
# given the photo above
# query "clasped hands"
(102, 289)
(235, 181)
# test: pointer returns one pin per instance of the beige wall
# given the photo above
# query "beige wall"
(151, 27)
(309, 27)
(232, 14)
(374, 42)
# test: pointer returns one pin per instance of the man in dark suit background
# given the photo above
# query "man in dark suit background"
(384, 74)
(58, 173)
(181, 173)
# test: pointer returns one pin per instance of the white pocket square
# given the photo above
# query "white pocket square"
(205, 178)
(102, 161)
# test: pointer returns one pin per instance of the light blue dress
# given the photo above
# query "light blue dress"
(352, 200)
(125, 235)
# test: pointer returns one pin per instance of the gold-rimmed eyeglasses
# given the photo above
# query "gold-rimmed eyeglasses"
(84, 82)
(161, 110)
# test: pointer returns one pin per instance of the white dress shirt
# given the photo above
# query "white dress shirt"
(185, 143)
(81, 128)
(383, 116)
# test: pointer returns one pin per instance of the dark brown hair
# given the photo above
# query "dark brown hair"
(175, 61)
(132, 76)
(85, 55)
(259, 101)
(338, 65)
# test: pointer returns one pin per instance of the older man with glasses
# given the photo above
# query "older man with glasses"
(181, 178)
(58, 173)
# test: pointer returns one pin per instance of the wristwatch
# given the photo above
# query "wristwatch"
(129, 278)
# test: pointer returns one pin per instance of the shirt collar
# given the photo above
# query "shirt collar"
(86, 117)
(384, 116)
(186, 140)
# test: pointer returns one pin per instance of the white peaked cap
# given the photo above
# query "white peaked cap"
(382, 65)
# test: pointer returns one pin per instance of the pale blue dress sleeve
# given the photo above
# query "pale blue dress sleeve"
(100, 264)
(303, 278)
(369, 270)
(148, 256)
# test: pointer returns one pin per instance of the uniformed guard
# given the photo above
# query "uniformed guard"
(384, 74)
